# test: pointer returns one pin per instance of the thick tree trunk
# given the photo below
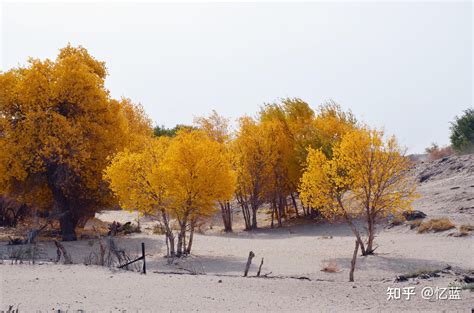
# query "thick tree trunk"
(69, 219)
(254, 216)
(68, 227)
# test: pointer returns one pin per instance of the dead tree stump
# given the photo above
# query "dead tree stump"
(249, 262)
(353, 261)
(260, 268)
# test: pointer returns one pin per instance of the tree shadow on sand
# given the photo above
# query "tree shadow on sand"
(391, 264)
(309, 230)
(196, 264)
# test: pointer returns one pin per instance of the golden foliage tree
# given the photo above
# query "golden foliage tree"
(198, 176)
(330, 125)
(181, 178)
(138, 180)
(367, 177)
(58, 128)
(216, 128)
(251, 161)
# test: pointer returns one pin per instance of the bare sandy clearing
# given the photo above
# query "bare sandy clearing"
(91, 288)
(301, 253)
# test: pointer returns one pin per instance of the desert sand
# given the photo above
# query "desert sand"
(211, 277)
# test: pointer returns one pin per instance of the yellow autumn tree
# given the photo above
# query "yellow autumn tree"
(198, 176)
(180, 179)
(278, 146)
(330, 125)
(58, 129)
(295, 122)
(367, 177)
(137, 178)
(216, 128)
(251, 161)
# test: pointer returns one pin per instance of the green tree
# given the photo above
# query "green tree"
(462, 132)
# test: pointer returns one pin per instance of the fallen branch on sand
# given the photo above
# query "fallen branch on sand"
(423, 274)
(267, 275)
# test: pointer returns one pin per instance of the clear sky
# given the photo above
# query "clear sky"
(406, 67)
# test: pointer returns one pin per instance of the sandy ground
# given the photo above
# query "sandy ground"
(303, 252)
(76, 287)
(292, 251)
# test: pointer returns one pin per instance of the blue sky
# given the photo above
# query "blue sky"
(406, 67)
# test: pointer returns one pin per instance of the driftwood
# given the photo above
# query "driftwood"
(249, 262)
(62, 251)
(353, 261)
(260, 268)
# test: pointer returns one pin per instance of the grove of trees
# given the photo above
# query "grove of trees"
(69, 148)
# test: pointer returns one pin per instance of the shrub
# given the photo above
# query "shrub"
(331, 267)
(462, 132)
(435, 152)
(436, 225)
(466, 228)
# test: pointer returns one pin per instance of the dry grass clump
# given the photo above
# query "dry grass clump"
(397, 220)
(436, 152)
(466, 228)
(415, 224)
(436, 225)
(331, 267)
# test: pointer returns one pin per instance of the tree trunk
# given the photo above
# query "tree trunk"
(352, 226)
(254, 216)
(371, 235)
(357, 235)
(294, 205)
(191, 235)
(246, 214)
(68, 220)
(170, 238)
(280, 210)
(181, 249)
(168, 233)
(68, 227)
(245, 210)
(226, 211)
(353, 261)
(273, 213)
